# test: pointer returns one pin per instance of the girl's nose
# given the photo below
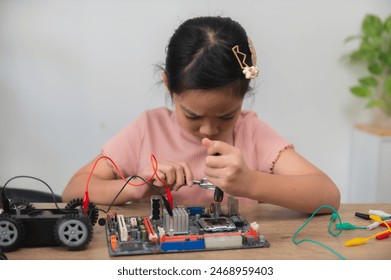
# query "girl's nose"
(208, 129)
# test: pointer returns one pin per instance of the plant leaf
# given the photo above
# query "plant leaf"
(368, 81)
(387, 85)
(365, 53)
(383, 58)
(355, 55)
(359, 55)
(371, 43)
(387, 24)
(361, 91)
(370, 48)
(388, 58)
(375, 68)
(375, 103)
(372, 25)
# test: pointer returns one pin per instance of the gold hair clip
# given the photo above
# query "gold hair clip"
(250, 72)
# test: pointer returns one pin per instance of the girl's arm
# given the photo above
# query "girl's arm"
(103, 186)
(295, 182)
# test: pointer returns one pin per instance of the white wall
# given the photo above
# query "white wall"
(73, 73)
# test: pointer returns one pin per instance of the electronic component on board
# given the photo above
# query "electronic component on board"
(217, 224)
(188, 229)
(155, 207)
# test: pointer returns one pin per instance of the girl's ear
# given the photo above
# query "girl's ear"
(165, 80)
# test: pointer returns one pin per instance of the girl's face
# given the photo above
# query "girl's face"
(207, 113)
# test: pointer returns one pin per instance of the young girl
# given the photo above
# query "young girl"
(209, 65)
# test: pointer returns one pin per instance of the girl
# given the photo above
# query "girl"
(210, 62)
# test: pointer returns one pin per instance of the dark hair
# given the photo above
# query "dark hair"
(199, 56)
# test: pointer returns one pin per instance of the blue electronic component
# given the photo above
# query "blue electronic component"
(195, 210)
(184, 245)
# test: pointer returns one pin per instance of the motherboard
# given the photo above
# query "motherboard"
(183, 229)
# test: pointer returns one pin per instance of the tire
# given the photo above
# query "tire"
(12, 233)
(92, 213)
(73, 231)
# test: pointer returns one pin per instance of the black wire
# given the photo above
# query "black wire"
(34, 211)
(34, 178)
(165, 201)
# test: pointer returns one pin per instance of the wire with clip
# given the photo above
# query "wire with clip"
(168, 202)
(379, 235)
(165, 200)
(334, 216)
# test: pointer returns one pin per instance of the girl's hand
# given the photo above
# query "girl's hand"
(228, 170)
(172, 173)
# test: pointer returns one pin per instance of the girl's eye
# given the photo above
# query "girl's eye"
(227, 118)
(191, 117)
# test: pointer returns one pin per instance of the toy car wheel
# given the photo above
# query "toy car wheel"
(74, 232)
(12, 232)
(92, 212)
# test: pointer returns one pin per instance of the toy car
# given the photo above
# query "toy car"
(3, 256)
(24, 225)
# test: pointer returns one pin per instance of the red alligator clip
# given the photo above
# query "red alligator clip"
(383, 235)
(383, 224)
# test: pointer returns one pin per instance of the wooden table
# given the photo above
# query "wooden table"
(277, 224)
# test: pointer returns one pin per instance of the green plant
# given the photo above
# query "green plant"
(374, 52)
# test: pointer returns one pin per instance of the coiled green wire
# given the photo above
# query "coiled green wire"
(334, 216)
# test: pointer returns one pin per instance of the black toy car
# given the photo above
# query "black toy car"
(24, 225)
(2, 256)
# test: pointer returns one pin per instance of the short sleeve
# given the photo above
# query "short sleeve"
(260, 144)
(124, 147)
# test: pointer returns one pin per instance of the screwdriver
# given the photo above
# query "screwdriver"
(204, 183)
(219, 194)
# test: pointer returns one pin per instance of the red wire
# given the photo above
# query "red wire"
(154, 163)
(168, 191)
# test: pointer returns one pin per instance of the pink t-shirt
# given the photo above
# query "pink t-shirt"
(158, 132)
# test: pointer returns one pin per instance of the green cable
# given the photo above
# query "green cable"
(334, 216)
(348, 226)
